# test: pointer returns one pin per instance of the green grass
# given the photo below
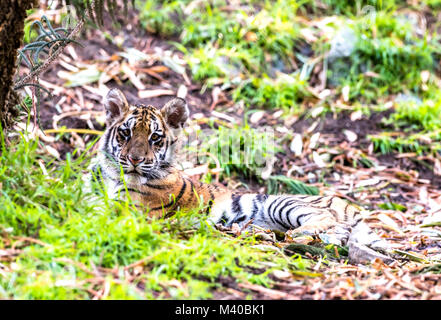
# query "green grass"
(82, 237)
(421, 117)
(421, 143)
(350, 7)
(233, 46)
(284, 92)
(388, 56)
(257, 52)
(416, 127)
(160, 21)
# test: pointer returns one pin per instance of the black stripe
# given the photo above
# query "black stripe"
(358, 220)
(175, 201)
(137, 191)
(289, 212)
(224, 218)
(209, 205)
(345, 216)
(191, 185)
(284, 207)
(278, 210)
(154, 186)
(319, 200)
(301, 196)
(301, 216)
(211, 194)
(162, 157)
(262, 197)
(255, 207)
(286, 203)
(235, 205)
(329, 204)
(241, 218)
(269, 210)
(211, 201)
(108, 142)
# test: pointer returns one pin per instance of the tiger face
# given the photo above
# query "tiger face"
(140, 139)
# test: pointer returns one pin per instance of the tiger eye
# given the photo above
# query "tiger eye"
(125, 132)
(155, 137)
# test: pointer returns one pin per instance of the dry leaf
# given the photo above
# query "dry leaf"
(314, 140)
(356, 115)
(144, 94)
(256, 116)
(345, 93)
(52, 151)
(125, 68)
(350, 135)
(296, 145)
(368, 182)
(318, 160)
(389, 222)
(182, 91)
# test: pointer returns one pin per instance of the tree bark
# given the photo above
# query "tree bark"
(12, 17)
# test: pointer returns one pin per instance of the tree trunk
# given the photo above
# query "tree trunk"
(12, 16)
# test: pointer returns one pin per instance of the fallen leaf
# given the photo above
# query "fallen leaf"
(144, 94)
(356, 115)
(351, 136)
(314, 139)
(256, 116)
(296, 145)
(318, 160)
(85, 76)
(182, 91)
(125, 68)
(389, 222)
(345, 93)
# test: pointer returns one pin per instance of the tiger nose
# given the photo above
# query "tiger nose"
(135, 160)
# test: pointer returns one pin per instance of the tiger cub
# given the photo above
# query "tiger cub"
(140, 140)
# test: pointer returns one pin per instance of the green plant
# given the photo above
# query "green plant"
(66, 243)
(163, 19)
(388, 55)
(424, 116)
(290, 185)
(284, 92)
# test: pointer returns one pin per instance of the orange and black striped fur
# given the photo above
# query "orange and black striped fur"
(140, 140)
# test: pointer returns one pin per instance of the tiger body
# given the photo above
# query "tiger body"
(140, 141)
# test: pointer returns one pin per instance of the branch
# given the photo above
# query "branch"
(35, 73)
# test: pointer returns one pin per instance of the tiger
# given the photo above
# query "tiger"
(136, 155)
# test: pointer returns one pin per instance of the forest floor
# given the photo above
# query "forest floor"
(329, 140)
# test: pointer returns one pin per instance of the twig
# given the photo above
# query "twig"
(73, 130)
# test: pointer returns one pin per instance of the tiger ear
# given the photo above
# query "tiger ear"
(175, 113)
(116, 104)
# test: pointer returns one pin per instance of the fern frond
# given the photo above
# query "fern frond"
(95, 8)
(49, 38)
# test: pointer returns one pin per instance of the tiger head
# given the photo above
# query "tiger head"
(140, 139)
